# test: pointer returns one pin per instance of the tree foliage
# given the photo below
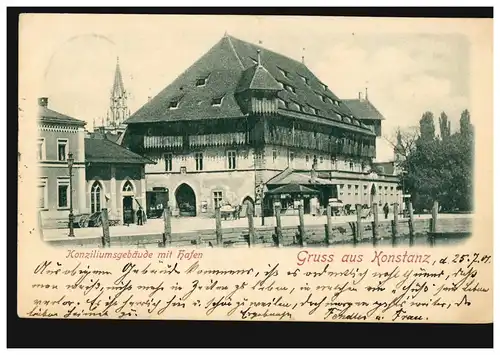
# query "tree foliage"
(441, 169)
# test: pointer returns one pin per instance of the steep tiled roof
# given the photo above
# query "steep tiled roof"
(47, 115)
(101, 150)
(363, 109)
(231, 66)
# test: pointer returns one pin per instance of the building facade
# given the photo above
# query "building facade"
(115, 179)
(240, 118)
(59, 135)
(104, 174)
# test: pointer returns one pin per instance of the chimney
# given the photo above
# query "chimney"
(360, 96)
(258, 58)
(149, 99)
(43, 101)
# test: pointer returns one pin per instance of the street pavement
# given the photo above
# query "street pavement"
(193, 224)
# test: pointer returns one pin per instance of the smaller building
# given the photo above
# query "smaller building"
(115, 178)
(59, 136)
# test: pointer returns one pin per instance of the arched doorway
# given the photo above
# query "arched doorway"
(128, 202)
(247, 203)
(95, 197)
(186, 200)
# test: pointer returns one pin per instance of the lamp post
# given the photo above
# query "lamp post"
(71, 216)
(403, 174)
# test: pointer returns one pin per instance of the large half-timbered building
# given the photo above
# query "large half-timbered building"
(242, 120)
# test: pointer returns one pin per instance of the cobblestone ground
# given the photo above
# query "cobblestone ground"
(192, 224)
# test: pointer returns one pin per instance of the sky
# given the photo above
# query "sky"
(408, 68)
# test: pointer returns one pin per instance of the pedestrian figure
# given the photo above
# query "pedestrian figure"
(386, 210)
(139, 216)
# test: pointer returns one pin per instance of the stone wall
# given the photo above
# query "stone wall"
(342, 233)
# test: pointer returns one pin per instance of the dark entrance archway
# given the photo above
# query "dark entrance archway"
(247, 203)
(186, 200)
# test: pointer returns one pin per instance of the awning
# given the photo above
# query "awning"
(292, 189)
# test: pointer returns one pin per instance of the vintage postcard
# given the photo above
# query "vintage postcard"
(255, 168)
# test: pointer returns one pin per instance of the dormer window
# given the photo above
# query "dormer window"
(281, 84)
(201, 81)
(304, 79)
(282, 102)
(217, 101)
(325, 87)
(290, 88)
(314, 110)
(284, 73)
(327, 99)
(337, 103)
(174, 104)
(338, 116)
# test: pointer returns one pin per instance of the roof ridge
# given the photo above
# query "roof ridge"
(268, 50)
(234, 51)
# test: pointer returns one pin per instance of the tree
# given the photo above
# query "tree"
(465, 125)
(444, 126)
(403, 141)
(427, 129)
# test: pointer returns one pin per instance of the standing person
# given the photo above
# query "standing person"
(386, 210)
(139, 216)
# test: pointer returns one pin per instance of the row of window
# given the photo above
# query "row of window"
(231, 157)
(198, 157)
(365, 187)
(62, 149)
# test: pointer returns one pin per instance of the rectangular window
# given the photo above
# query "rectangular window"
(201, 81)
(199, 161)
(168, 161)
(42, 193)
(62, 149)
(217, 198)
(231, 159)
(40, 149)
(321, 160)
(63, 193)
(307, 158)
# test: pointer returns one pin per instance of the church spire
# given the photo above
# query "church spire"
(118, 108)
(118, 87)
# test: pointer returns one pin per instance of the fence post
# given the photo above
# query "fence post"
(279, 235)
(395, 221)
(375, 222)
(302, 232)
(251, 227)
(410, 220)
(359, 230)
(167, 226)
(435, 209)
(106, 240)
(328, 226)
(218, 226)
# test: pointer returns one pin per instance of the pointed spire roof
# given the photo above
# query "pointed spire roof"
(118, 87)
(257, 78)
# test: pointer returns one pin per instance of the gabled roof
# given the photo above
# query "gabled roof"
(363, 109)
(102, 150)
(257, 78)
(231, 66)
(50, 116)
